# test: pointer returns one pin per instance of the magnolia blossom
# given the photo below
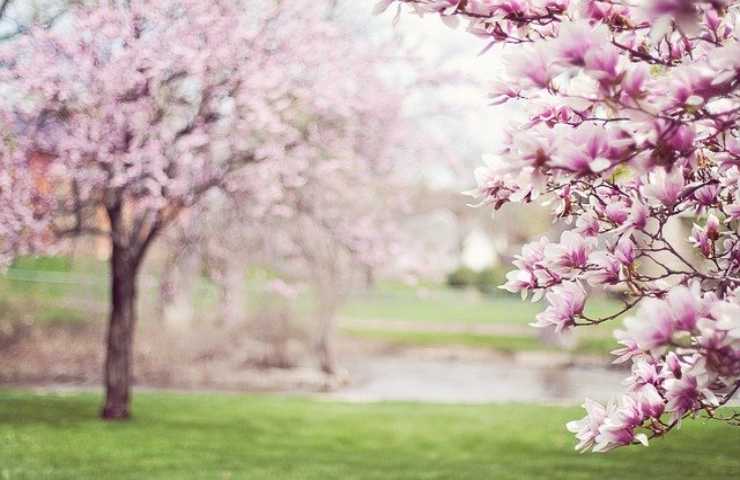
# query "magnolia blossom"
(688, 393)
(652, 327)
(607, 269)
(587, 429)
(625, 251)
(664, 186)
(620, 424)
(571, 252)
(633, 131)
(566, 302)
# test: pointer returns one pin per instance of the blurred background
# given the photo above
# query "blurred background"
(233, 299)
(392, 297)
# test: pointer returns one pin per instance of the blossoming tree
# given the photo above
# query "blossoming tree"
(324, 221)
(137, 111)
(635, 129)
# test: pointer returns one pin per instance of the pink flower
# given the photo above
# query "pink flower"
(672, 8)
(700, 240)
(643, 372)
(577, 39)
(532, 254)
(607, 269)
(673, 365)
(727, 315)
(602, 61)
(625, 250)
(596, 10)
(634, 81)
(652, 328)
(733, 210)
(686, 306)
(678, 137)
(617, 212)
(571, 252)
(587, 225)
(703, 238)
(495, 186)
(587, 428)
(722, 352)
(712, 227)
(566, 302)
(638, 217)
(520, 281)
(706, 196)
(482, 7)
(584, 150)
(664, 186)
(685, 394)
(501, 92)
(619, 426)
(650, 402)
(688, 86)
(525, 279)
(534, 147)
(628, 350)
(533, 64)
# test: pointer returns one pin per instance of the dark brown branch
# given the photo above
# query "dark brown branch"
(3, 7)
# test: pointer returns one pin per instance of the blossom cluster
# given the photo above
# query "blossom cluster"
(149, 104)
(633, 132)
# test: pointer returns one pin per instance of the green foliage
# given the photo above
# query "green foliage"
(461, 278)
(489, 279)
(486, 281)
(210, 436)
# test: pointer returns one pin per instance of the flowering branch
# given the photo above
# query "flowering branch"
(635, 131)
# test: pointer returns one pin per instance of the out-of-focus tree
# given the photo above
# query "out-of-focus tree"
(325, 222)
(138, 110)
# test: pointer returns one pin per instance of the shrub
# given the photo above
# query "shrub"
(489, 279)
(462, 277)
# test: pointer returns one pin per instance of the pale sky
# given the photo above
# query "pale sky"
(477, 127)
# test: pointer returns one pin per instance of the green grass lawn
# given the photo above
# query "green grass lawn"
(64, 291)
(440, 304)
(391, 301)
(587, 345)
(268, 437)
(59, 288)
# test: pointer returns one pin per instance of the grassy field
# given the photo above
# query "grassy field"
(438, 304)
(61, 291)
(392, 301)
(44, 281)
(587, 345)
(267, 437)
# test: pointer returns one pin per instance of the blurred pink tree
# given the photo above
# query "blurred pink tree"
(324, 223)
(326, 229)
(635, 128)
(138, 111)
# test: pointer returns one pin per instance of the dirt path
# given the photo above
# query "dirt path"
(429, 376)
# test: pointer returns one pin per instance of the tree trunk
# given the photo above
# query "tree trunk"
(121, 324)
(325, 347)
(232, 294)
(176, 291)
